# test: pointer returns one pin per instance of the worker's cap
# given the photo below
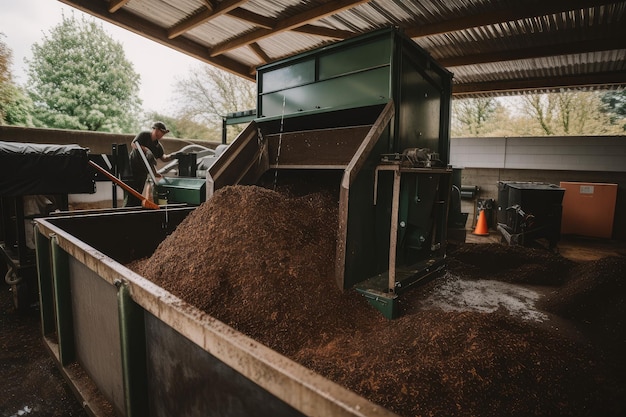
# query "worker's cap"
(160, 126)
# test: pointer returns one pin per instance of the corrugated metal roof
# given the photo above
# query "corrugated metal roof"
(492, 46)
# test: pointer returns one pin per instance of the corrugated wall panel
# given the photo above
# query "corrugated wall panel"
(603, 153)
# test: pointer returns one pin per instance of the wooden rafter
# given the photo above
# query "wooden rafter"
(260, 52)
(617, 78)
(115, 5)
(250, 17)
(507, 15)
(539, 51)
(324, 32)
(202, 16)
(209, 4)
(289, 23)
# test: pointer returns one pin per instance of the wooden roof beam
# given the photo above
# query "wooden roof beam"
(209, 4)
(324, 32)
(115, 5)
(573, 47)
(260, 52)
(250, 17)
(614, 78)
(202, 16)
(289, 23)
(523, 11)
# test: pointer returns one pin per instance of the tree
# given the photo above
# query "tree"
(184, 127)
(15, 107)
(79, 78)
(19, 109)
(614, 103)
(208, 93)
(540, 108)
(567, 113)
(471, 116)
(6, 57)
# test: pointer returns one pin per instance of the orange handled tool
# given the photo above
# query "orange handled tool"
(144, 201)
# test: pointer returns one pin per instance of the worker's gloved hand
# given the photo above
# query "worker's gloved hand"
(178, 155)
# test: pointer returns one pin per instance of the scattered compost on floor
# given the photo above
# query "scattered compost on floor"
(507, 331)
(30, 382)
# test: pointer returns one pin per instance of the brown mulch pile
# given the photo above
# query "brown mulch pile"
(510, 264)
(263, 263)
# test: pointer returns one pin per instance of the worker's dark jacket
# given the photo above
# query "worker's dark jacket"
(138, 167)
(136, 163)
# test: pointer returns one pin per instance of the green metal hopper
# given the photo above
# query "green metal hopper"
(374, 111)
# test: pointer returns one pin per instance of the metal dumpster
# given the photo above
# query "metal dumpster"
(528, 211)
(130, 348)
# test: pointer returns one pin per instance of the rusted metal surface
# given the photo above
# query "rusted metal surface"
(243, 162)
(316, 149)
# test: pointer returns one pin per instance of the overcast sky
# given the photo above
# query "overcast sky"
(24, 22)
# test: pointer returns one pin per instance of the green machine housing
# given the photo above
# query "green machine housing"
(370, 116)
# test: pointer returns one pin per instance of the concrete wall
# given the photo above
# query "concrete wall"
(486, 161)
(97, 142)
(587, 153)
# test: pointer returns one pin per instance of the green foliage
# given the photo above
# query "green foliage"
(6, 58)
(19, 109)
(615, 101)
(79, 78)
(15, 106)
(472, 116)
(615, 105)
(183, 127)
(566, 113)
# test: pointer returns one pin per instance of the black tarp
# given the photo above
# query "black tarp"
(30, 168)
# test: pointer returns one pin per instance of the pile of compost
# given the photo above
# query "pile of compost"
(506, 331)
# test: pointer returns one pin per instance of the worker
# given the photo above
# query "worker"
(153, 150)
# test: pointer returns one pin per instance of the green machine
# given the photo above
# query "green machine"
(370, 116)
(169, 190)
(185, 188)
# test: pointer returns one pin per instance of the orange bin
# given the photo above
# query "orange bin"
(588, 209)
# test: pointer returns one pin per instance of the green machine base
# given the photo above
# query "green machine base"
(376, 291)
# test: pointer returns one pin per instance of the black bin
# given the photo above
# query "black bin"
(542, 201)
(187, 165)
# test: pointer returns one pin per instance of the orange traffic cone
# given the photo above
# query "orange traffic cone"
(481, 225)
